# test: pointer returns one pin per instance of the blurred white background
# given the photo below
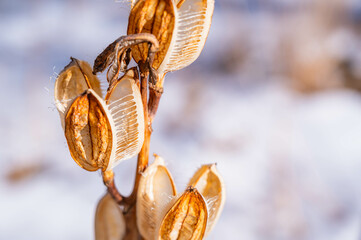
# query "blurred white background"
(274, 99)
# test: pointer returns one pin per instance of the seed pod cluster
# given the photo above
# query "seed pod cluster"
(163, 36)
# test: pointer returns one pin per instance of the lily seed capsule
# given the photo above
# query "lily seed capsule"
(210, 184)
(187, 219)
(102, 133)
(181, 30)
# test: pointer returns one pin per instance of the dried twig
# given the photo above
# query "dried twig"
(115, 56)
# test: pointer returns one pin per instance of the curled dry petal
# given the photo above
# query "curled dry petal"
(115, 56)
(181, 28)
(72, 81)
(187, 219)
(102, 134)
(109, 220)
(210, 184)
(104, 59)
(156, 190)
(88, 131)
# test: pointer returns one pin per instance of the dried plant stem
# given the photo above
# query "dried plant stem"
(143, 156)
(155, 93)
(132, 232)
(150, 108)
(108, 179)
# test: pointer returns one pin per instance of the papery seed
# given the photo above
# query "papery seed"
(155, 193)
(210, 184)
(72, 81)
(193, 21)
(125, 106)
(109, 220)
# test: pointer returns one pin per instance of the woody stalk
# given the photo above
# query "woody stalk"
(102, 131)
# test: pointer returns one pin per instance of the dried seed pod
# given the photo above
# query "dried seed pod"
(109, 220)
(72, 81)
(101, 135)
(181, 30)
(89, 131)
(187, 219)
(156, 17)
(156, 190)
(210, 184)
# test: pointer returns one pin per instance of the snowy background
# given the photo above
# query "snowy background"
(274, 99)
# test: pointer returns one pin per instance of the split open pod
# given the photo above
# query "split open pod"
(102, 132)
(180, 26)
(187, 219)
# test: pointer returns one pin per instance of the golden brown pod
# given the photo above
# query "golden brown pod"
(101, 134)
(156, 17)
(156, 190)
(210, 184)
(180, 28)
(89, 131)
(72, 81)
(187, 219)
(109, 220)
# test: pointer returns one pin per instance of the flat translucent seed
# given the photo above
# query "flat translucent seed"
(155, 193)
(193, 22)
(210, 184)
(126, 109)
(72, 81)
(109, 220)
